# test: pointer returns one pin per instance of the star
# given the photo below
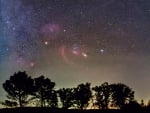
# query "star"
(46, 43)
(64, 30)
(101, 50)
(84, 55)
(32, 64)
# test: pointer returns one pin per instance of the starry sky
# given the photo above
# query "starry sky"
(77, 41)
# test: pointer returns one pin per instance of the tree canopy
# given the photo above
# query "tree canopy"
(82, 95)
(44, 91)
(121, 94)
(102, 94)
(66, 96)
(18, 89)
(22, 90)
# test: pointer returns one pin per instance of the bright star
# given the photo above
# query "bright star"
(46, 42)
(32, 64)
(84, 55)
(101, 50)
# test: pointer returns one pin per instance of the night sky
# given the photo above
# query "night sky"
(77, 41)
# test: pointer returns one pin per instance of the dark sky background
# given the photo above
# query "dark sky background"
(77, 41)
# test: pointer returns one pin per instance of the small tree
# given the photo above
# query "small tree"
(66, 96)
(52, 100)
(132, 105)
(102, 94)
(44, 92)
(82, 95)
(9, 103)
(142, 103)
(121, 95)
(148, 104)
(18, 89)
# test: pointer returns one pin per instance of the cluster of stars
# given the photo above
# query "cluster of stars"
(22, 63)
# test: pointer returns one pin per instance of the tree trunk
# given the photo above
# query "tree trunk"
(42, 100)
(20, 102)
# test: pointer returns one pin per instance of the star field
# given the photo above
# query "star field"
(79, 40)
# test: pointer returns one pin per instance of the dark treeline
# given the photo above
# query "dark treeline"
(24, 91)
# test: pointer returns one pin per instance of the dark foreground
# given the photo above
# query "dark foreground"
(48, 110)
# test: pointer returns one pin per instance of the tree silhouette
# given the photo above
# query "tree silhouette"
(22, 90)
(148, 105)
(102, 94)
(82, 95)
(121, 94)
(142, 103)
(18, 89)
(132, 105)
(66, 96)
(52, 100)
(9, 103)
(44, 92)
